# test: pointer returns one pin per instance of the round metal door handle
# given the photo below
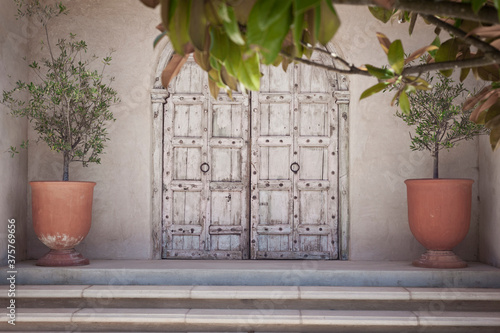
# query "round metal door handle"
(204, 167)
(295, 167)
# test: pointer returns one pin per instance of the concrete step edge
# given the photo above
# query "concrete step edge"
(252, 292)
(251, 318)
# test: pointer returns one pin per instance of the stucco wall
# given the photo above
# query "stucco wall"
(489, 229)
(13, 171)
(380, 158)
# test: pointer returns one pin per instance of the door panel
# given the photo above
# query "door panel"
(205, 201)
(294, 180)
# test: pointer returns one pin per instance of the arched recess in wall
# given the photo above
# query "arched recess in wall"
(339, 91)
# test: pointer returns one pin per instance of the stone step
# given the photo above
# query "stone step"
(259, 273)
(255, 297)
(245, 320)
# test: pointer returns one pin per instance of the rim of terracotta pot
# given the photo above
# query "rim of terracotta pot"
(441, 180)
(62, 181)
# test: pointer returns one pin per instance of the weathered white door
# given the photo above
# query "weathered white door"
(294, 165)
(274, 182)
(205, 195)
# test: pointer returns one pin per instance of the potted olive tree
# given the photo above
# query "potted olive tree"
(439, 210)
(68, 106)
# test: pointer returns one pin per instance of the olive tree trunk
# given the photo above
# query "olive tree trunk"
(66, 167)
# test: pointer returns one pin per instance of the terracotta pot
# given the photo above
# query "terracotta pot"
(62, 214)
(439, 212)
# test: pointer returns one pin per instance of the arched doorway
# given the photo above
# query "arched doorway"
(260, 176)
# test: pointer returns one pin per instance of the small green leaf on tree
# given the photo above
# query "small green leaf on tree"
(396, 56)
(330, 22)
(404, 103)
(447, 52)
(381, 14)
(373, 90)
(380, 73)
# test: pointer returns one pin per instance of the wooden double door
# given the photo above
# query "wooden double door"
(254, 176)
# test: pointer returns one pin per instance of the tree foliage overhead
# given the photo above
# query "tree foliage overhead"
(231, 38)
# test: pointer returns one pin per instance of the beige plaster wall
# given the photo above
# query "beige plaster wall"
(13, 171)
(489, 228)
(380, 158)
(121, 226)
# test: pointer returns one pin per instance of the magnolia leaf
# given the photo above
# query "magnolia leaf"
(160, 27)
(496, 44)
(447, 52)
(249, 72)
(480, 120)
(300, 6)
(473, 100)
(416, 54)
(231, 26)
(202, 58)
(413, 21)
(485, 32)
(151, 3)
(493, 123)
(266, 12)
(285, 63)
(297, 30)
(488, 73)
(396, 56)
(477, 5)
(214, 63)
(497, 6)
(330, 22)
(435, 42)
(381, 14)
(198, 25)
(309, 35)
(270, 39)
(387, 4)
(373, 90)
(233, 60)
(492, 99)
(465, 54)
(495, 138)
(165, 11)
(317, 20)
(219, 44)
(242, 10)
(384, 42)
(417, 83)
(172, 69)
(492, 119)
(158, 38)
(228, 80)
(213, 87)
(380, 73)
(404, 103)
(179, 26)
